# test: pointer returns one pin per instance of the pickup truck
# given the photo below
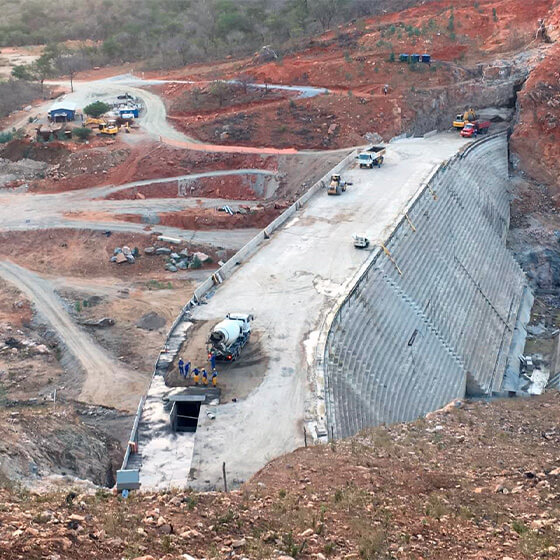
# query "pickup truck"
(372, 157)
(474, 128)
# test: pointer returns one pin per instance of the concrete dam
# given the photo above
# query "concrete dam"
(346, 338)
(440, 311)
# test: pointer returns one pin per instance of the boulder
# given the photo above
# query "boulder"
(163, 251)
(202, 257)
(150, 251)
(151, 321)
(120, 258)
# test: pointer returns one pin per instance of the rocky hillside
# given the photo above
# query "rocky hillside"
(536, 141)
(480, 480)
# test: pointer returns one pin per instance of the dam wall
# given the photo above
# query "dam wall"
(440, 310)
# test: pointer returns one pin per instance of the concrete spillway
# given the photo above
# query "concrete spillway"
(437, 314)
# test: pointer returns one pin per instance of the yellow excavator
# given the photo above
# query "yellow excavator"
(92, 121)
(462, 119)
(109, 128)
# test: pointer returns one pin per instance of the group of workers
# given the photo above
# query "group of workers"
(197, 374)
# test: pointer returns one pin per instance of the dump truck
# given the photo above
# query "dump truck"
(337, 185)
(462, 119)
(372, 157)
(229, 336)
(472, 129)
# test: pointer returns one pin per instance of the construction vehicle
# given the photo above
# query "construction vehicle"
(372, 157)
(472, 129)
(462, 119)
(92, 121)
(229, 336)
(360, 241)
(337, 185)
(109, 128)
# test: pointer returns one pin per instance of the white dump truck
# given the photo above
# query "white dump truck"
(229, 336)
(372, 157)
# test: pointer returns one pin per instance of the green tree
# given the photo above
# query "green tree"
(82, 133)
(96, 109)
(43, 69)
(22, 72)
(219, 90)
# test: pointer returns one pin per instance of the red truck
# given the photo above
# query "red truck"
(474, 128)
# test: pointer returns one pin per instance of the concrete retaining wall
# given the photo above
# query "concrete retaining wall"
(434, 315)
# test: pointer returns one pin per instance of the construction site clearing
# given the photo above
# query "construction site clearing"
(105, 241)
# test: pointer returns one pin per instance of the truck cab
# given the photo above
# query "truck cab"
(244, 319)
(472, 129)
(373, 157)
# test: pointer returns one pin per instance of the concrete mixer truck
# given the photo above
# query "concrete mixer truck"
(228, 337)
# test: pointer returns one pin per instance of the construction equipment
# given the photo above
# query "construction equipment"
(372, 157)
(462, 119)
(92, 121)
(229, 336)
(474, 128)
(360, 241)
(337, 185)
(109, 128)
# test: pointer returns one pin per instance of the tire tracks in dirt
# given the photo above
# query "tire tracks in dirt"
(106, 381)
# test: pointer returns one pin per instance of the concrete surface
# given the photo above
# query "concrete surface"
(289, 285)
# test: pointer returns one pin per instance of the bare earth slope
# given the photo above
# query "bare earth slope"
(481, 481)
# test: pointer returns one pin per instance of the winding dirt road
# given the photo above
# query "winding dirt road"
(106, 381)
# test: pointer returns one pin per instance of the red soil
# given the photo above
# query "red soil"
(210, 219)
(232, 187)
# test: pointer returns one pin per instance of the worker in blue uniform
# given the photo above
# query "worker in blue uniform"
(181, 367)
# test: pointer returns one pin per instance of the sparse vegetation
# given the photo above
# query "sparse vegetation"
(82, 133)
(172, 32)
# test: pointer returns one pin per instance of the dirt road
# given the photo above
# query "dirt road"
(20, 211)
(106, 381)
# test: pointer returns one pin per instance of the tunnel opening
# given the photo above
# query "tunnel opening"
(184, 415)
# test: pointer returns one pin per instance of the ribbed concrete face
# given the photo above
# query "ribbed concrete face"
(437, 319)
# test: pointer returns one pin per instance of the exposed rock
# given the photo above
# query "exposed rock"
(151, 321)
(101, 323)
